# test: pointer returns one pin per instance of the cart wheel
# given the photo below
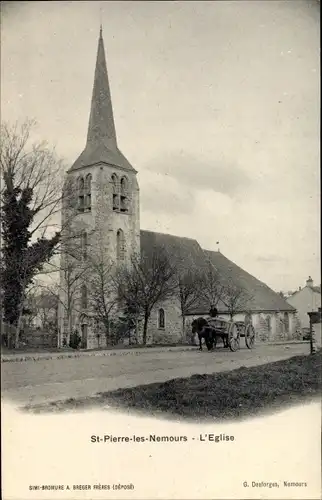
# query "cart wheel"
(234, 337)
(250, 336)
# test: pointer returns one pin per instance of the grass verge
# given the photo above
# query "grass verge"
(227, 395)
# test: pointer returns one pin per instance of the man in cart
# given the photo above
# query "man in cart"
(217, 324)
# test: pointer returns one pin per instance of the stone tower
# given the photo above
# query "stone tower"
(101, 214)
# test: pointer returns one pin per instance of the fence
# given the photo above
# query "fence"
(29, 337)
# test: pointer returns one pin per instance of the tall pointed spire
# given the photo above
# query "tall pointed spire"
(101, 127)
(101, 144)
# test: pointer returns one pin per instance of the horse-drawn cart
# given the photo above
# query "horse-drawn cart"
(234, 330)
(229, 331)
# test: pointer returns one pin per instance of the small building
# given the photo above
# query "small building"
(305, 300)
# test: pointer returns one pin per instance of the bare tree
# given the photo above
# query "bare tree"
(102, 293)
(212, 287)
(149, 281)
(73, 276)
(32, 167)
(65, 278)
(189, 291)
(66, 291)
(236, 298)
(46, 305)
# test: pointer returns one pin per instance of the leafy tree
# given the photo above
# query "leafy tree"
(30, 197)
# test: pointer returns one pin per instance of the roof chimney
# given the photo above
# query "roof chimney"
(309, 282)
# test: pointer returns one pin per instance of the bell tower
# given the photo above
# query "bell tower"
(104, 205)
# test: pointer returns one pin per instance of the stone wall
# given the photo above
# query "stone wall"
(272, 326)
(269, 326)
(172, 331)
(38, 338)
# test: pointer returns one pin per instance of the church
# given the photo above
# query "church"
(104, 210)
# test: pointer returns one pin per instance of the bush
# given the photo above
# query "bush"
(120, 329)
(75, 340)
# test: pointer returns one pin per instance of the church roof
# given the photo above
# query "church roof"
(264, 298)
(190, 256)
(183, 252)
(101, 145)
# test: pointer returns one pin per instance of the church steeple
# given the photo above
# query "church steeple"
(101, 127)
(105, 196)
(101, 144)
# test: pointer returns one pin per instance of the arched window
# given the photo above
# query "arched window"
(81, 193)
(88, 192)
(115, 187)
(120, 245)
(161, 318)
(124, 194)
(124, 186)
(84, 243)
(84, 297)
(114, 181)
(286, 322)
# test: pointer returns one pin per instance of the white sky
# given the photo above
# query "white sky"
(216, 104)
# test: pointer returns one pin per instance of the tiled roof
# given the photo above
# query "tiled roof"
(315, 289)
(189, 255)
(99, 153)
(101, 145)
(265, 299)
(183, 252)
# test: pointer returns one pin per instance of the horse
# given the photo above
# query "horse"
(207, 332)
(201, 327)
